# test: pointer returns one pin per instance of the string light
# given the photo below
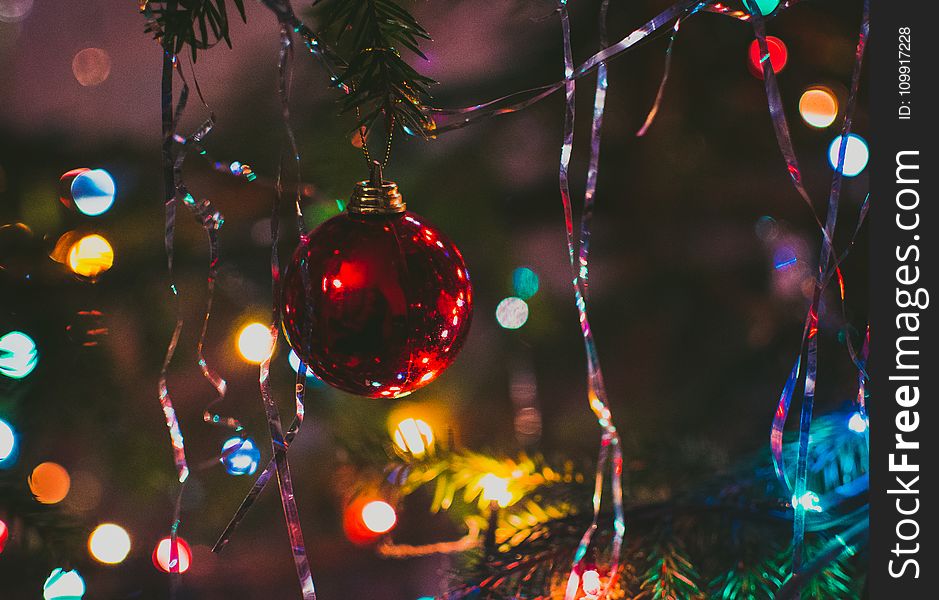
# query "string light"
(414, 436)
(254, 342)
(161, 555)
(18, 355)
(49, 483)
(90, 256)
(778, 56)
(7, 444)
(818, 107)
(379, 517)
(856, 155)
(63, 585)
(809, 501)
(858, 423)
(243, 460)
(512, 313)
(109, 544)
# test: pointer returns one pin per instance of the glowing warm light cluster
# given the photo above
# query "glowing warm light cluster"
(495, 489)
(243, 458)
(254, 342)
(161, 555)
(90, 256)
(7, 444)
(818, 107)
(18, 355)
(109, 544)
(778, 56)
(414, 436)
(856, 155)
(63, 585)
(512, 313)
(49, 482)
(379, 516)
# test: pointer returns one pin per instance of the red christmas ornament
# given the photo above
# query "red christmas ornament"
(376, 301)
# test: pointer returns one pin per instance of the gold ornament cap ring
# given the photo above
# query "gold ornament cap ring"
(376, 196)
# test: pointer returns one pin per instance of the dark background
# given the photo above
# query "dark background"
(696, 329)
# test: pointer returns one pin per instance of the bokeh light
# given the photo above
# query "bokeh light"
(525, 282)
(161, 555)
(512, 313)
(109, 543)
(414, 436)
(857, 423)
(778, 56)
(4, 535)
(90, 256)
(254, 342)
(63, 585)
(18, 355)
(818, 107)
(49, 483)
(89, 191)
(379, 516)
(767, 6)
(243, 459)
(13, 11)
(590, 583)
(7, 444)
(495, 489)
(856, 155)
(809, 501)
(91, 66)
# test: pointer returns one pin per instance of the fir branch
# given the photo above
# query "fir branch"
(198, 24)
(372, 33)
(669, 576)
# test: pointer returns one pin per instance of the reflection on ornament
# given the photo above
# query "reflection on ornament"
(91, 66)
(49, 482)
(4, 535)
(294, 361)
(63, 585)
(495, 489)
(109, 544)
(18, 355)
(778, 56)
(91, 256)
(379, 516)
(818, 107)
(525, 282)
(89, 191)
(856, 155)
(512, 313)
(240, 456)
(161, 555)
(414, 436)
(255, 343)
(7, 444)
(376, 301)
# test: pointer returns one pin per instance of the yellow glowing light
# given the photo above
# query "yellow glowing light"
(818, 107)
(49, 483)
(90, 256)
(379, 516)
(255, 343)
(496, 489)
(109, 544)
(414, 436)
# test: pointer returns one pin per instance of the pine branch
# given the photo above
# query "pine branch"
(384, 86)
(198, 24)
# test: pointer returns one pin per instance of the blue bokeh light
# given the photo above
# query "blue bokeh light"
(93, 192)
(243, 459)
